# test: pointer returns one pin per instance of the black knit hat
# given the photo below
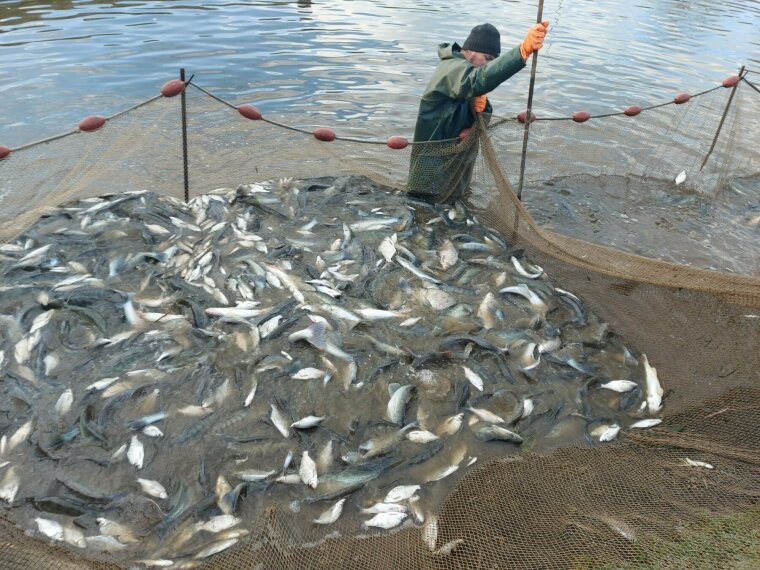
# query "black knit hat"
(484, 39)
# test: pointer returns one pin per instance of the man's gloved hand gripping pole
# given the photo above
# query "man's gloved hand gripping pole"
(534, 41)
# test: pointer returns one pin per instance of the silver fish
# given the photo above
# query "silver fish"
(654, 389)
(646, 423)
(401, 493)
(619, 385)
(495, 433)
(524, 291)
(153, 488)
(279, 421)
(537, 271)
(50, 528)
(474, 379)
(251, 475)
(215, 548)
(332, 514)
(308, 422)
(386, 520)
(136, 452)
(417, 272)
(218, 523)
(397, 403)
(308, 471)
(9, 485)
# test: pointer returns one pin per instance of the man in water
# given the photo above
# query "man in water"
(454, 96)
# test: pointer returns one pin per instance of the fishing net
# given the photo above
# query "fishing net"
(633, 503)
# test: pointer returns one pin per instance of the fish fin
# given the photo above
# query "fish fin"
(318, 335)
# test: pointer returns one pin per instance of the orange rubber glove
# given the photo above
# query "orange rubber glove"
(534, 41)
(479, 103)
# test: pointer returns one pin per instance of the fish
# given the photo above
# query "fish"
(314, 334)
(219, 327)
(50, 528)
(332, 514)
(384, 508)
(9, 486)
(421, 436)
(386, 520)
(527, 407)
(524, 291)
(152, 431)
(416, 272)
(486, 415)
(474, 379)
(397, 403)
(251, 393)
(537, 271)
(215, 548)
(447, 255)
(153, 488)
(609, 432)
(279, 421)
(377, 314)
(217, 524)
(451, 425)
(308, 374)
(136, 452)
(117, 530)
(495, 433)
(695, 463)
(252, 475)
(387, 247)
(140, 423)
(401, 493)
(308, 471)
(654, 388)
(620, 385)
(19, 436)
(645, 423)
(308, 422)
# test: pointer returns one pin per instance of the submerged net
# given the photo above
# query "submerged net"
(685, 291)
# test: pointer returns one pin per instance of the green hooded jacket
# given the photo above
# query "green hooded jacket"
(446, 109)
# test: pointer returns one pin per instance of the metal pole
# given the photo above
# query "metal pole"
(184, 137)
(530, 106)
(722, 120)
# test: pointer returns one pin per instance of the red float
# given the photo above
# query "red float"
(682, 98)
(731, 81)
(92, 123)
(397, 142)
(464, 133)
(324, 134)
(632, 111)
(581, 116)
(521, 116)
(172, 88)
(4, 151)
(249, 112)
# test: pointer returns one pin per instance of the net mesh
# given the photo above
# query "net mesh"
(632, 504)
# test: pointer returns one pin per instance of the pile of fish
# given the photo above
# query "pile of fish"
(323, 346)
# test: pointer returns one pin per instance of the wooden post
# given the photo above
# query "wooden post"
(528, 113)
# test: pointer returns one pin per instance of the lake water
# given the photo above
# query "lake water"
(361, 67)
(359, 62)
